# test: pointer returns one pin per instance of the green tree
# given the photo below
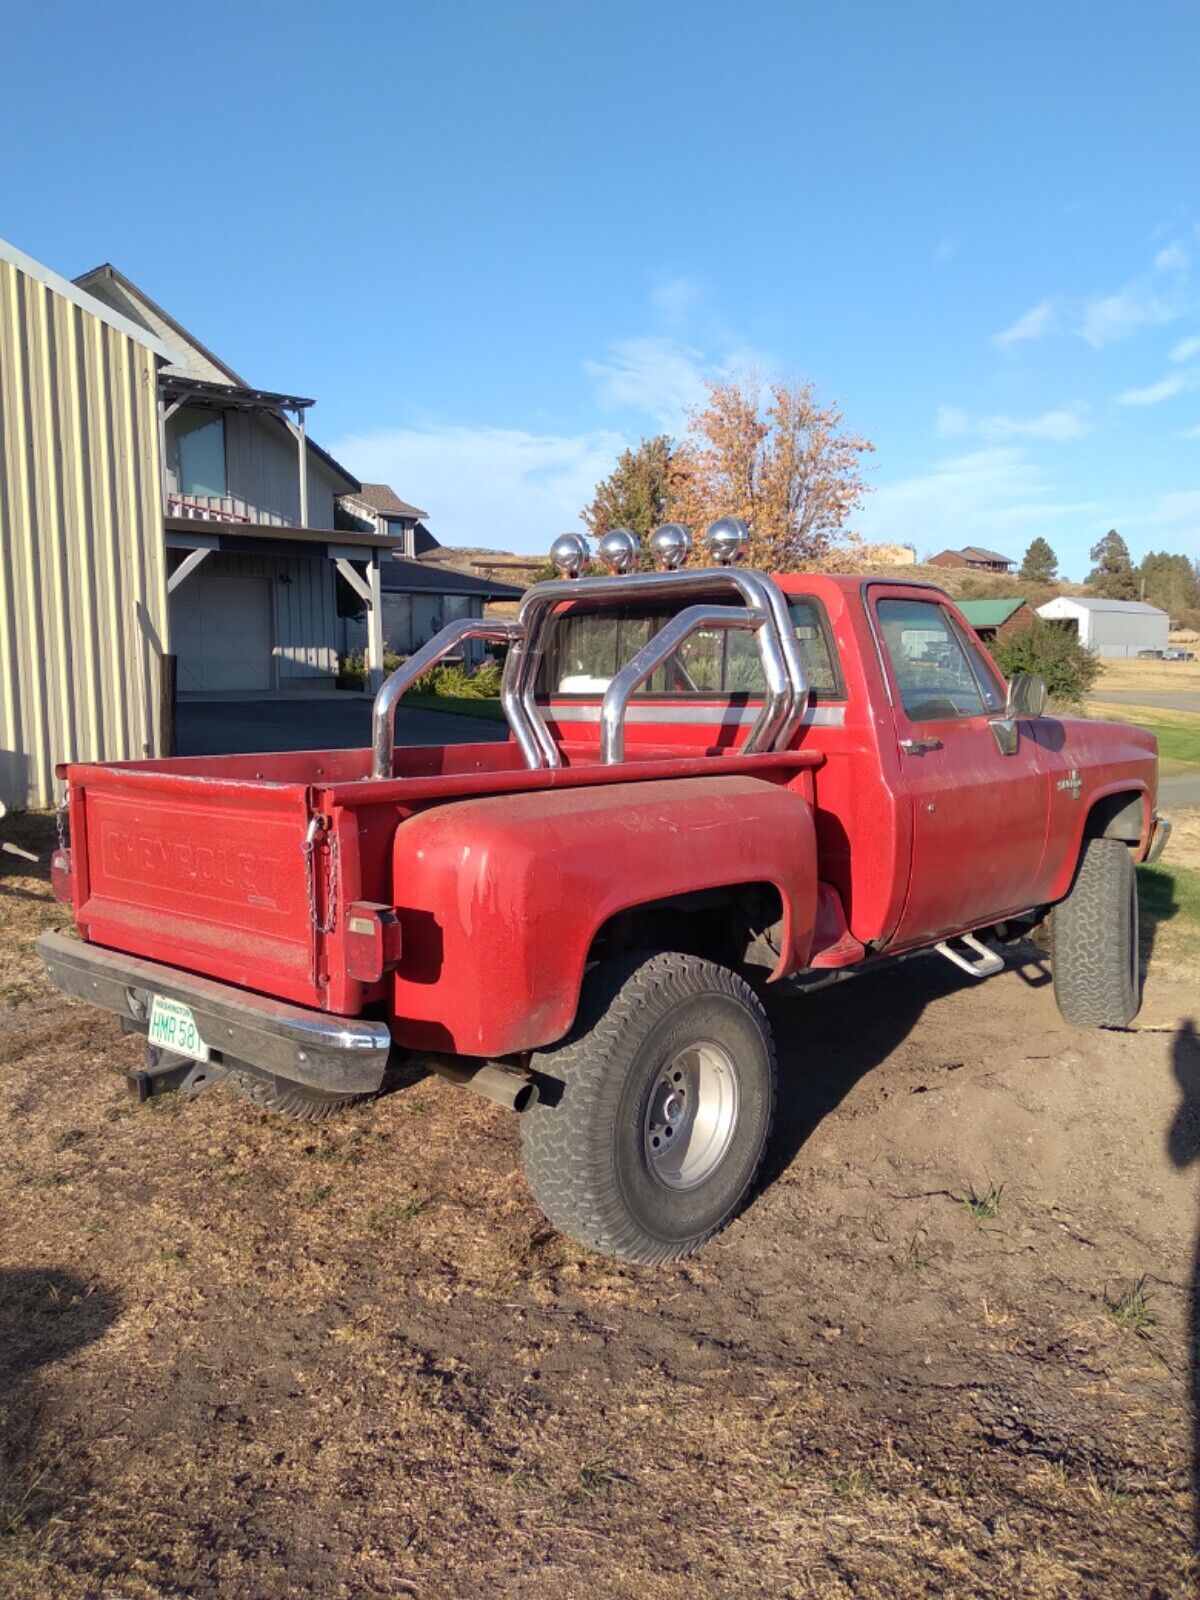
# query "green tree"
(635, 494)
(1112, 574)
(1054, 653)
(1172, 582)
(1040, 564)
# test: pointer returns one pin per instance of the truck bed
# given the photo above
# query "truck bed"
(200, 862)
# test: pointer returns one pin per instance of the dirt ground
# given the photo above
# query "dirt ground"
(944, 1352)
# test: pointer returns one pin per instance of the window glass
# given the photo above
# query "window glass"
(985, 675)
(200, 452)
(586, 650)
(931, 669)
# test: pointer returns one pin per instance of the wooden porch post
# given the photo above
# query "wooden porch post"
(374, 624)
(302, 453)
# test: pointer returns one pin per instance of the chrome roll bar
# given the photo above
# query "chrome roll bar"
(754, 589)
(383, 714)
(764, 611)
(664, 644)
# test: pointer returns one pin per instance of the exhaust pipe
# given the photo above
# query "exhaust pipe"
(504, 1086)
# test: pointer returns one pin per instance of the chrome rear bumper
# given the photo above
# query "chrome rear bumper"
(345, 1054)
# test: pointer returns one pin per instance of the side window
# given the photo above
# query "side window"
(985, 675)
(933, 675)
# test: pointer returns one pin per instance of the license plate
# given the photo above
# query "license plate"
(173, 1027)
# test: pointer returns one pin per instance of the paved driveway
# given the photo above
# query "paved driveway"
(239, 727)
(1151, 699)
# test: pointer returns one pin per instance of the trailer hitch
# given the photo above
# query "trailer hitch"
(166, 1072)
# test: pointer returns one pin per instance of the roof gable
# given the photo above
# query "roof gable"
(106, 283)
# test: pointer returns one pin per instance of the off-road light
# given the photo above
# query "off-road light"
(569, 555)
(727, 540)
(619, 550)
(669, 545)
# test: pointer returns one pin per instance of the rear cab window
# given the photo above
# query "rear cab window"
(586, 650)
(940, 673)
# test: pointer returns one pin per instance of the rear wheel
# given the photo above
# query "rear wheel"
(288, 1099)
(1094, 939)
(657, 1108)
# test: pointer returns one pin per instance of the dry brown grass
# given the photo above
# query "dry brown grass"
(243, 1358)
(1147, 675)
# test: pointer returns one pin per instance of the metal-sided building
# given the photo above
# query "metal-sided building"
(83, 583)
(1110, 627)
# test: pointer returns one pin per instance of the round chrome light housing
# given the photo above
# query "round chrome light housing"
(619, 550)
(569, 555)
(727, 540)
(669, 545)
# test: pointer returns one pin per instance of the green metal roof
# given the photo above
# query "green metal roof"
(988, 613)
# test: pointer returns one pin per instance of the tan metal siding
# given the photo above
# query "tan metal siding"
(83, 613)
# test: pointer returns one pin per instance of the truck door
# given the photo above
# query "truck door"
(979, 817)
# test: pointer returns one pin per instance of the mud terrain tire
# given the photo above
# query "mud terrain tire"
(616, 1153)
(1094, 940)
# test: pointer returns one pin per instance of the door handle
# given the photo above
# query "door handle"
(919, 747)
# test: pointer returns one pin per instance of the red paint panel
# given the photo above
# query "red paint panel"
(210, 879)
(499, 899)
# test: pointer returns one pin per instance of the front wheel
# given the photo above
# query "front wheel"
(659, 1108)
(1094, 939)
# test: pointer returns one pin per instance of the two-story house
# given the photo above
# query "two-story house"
(250, 522)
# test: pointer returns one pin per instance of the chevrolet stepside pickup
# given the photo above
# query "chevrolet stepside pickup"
(715, 782)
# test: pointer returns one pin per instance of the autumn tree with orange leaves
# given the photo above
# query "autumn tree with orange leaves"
(771, 454)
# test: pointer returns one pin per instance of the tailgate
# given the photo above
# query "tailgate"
(201, 873)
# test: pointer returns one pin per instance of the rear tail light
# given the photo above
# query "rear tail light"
(372, 941)
(60, 874)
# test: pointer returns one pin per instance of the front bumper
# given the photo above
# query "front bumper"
(347, 1055)
(1159, 834)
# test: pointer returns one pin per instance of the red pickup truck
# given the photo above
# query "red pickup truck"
(715, 781)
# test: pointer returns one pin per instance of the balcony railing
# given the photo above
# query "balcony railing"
(224, 508)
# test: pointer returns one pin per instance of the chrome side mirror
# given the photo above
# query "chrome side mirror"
(1027, 694)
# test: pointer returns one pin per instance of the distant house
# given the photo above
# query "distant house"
(376, 507)
(1110, 627)
(991, 619)
(975, 557)
(420, 598)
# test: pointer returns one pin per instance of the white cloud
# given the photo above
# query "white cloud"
(658, 377)
(1037, 321)
(1189, 433)
(946, 249)
(1154, 298)
(675, 298)
(1058, 426)
(1186, 349)
(995, 496)
(1153, 393)
(499, 487)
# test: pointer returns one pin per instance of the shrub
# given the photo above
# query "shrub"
(456, 681)
(1054, 653)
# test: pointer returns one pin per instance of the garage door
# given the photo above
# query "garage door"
(221, 631)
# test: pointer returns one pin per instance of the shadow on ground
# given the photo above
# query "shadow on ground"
(46, 1314)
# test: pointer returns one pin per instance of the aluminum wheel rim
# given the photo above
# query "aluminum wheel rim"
(691, 1115)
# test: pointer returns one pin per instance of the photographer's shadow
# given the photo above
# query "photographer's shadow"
(1183, 1148)
(46, 1314)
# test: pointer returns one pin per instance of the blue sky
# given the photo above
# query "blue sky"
(498, 242)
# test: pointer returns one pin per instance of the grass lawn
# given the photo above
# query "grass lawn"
(1169, 893)
(1177, 732)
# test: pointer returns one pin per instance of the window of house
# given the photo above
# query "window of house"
(587, 649)
(200, 452)
(928, 661)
